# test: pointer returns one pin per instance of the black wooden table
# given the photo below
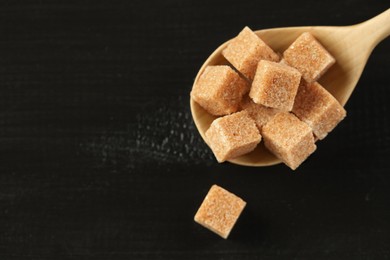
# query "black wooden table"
(100, 158)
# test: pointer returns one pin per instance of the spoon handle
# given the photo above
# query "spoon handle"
(376, 28)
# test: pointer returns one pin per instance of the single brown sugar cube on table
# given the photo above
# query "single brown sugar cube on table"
(308, 56)
(290, 139)
(257, 112)
(219, 90)
(275, 85)
(232, 136)
(219, 211)
(246, 50)
(315, 106)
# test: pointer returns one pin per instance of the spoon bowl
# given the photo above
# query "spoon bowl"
(351, 46)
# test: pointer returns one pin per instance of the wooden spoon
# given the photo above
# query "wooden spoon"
(350, 45)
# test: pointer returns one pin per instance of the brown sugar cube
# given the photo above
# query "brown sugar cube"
(232, 136)
(219, 211)
(246, 50)
(219, 90)
(318, 108)
(283, 61)
(257, 112)
(290, 139)
(275, 85)
(308, 56)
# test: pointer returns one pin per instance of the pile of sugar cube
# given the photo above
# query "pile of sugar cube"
(262, 96)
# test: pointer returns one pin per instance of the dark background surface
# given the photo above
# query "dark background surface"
(100, 159)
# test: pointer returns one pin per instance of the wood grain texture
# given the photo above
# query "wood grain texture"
(100, 159)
